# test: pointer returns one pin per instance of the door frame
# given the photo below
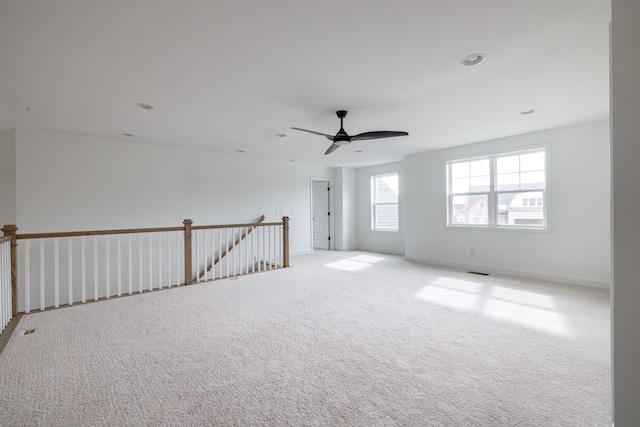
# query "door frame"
(329, 181)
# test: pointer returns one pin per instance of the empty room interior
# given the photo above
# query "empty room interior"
(439, 197)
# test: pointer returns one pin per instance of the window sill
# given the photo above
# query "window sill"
(500, 228)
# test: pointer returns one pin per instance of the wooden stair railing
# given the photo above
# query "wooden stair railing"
(231, 246)
(159, 261)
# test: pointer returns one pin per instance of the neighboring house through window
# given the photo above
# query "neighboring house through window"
(499, 190)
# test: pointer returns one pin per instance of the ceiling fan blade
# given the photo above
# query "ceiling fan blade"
(315, 133)
(377, 135)
(331, 149)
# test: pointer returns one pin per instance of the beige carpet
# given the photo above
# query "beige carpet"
(339, 339)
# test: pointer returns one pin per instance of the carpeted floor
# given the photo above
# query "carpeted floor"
(339, 339)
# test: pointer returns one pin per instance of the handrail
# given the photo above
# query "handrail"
(135, 230)
(232, 245)
(5, 239)
(214, 227)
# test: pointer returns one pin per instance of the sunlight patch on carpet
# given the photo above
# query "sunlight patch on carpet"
(455, 299)
(530, 309)
(522, 297)
(531, 317)
(355, 263)
(458, 285)
(367, 258)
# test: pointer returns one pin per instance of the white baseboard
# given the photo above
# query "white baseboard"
(301, 252)
(379, 250)
(572, 280)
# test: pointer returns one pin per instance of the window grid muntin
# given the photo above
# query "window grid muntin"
(375, 204)
(494, 194)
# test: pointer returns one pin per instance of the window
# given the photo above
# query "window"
(384, 195)
(504, 190)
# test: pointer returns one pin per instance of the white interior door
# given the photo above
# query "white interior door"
(320, 200)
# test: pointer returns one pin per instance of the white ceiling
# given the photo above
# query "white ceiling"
(227, 75)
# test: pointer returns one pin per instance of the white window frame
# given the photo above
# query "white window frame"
(493, 193)
(374, 204)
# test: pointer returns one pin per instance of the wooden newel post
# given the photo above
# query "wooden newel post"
(188, 266)
(285, 241)
(10, 230)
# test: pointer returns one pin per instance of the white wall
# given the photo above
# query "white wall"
(68, 182)
(625, 114)
(346, 207)
(7, 178)
(575, 250)
(375, 240)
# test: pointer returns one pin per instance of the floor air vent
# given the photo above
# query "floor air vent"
(478, 273)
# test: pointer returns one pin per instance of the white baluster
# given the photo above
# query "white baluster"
(140, 262)
(150, 263)
(4, 283)
(169, 259)
(4, 318)
(108, 277)
(95, 268)
(119, 264)
(27, 288)
(233, 237)
(3, 287)
(56, 273)
(271, 248)
(259, 246)
(42, 273)
(177, 238)
(195, 240)
(83, 255)
(253, 254)
(220, 253)
(278, 241)
(70, 268)
(246, 250)
(159, 260)
(226, 236)
(130, 265)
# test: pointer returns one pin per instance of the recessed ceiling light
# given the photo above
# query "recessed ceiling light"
(130, 135)
(292, 160)
(281, 135)
(473, 59)
(529, 111)
(358, 151)
(144, 106)
(240, 151)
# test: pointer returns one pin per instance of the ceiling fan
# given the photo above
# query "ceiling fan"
(342, 138)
